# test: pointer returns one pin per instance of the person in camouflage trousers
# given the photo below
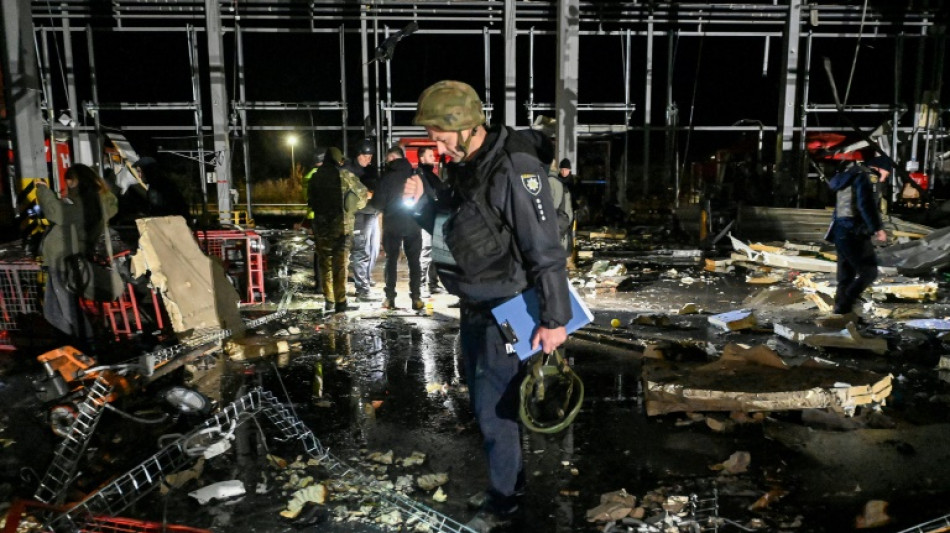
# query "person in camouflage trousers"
(334, 194)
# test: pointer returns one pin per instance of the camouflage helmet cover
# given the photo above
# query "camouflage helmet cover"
(450, 106)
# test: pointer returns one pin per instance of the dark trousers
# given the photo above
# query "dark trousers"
(412, 245)
(857, 267)
(493, 384)
(332, 246)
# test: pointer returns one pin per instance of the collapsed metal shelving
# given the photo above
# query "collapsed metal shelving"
(117, 496)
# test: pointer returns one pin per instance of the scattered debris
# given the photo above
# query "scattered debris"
(874, 515)
(755, 381)
(734, 320)
(381, 458)
(313, 494)
(736, 464)
(848, 338)
(431, 481)
(613, 506)
(218, 491)
(689, 309)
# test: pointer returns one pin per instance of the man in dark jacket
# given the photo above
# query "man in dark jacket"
(494, 236)
(399, 228)
(434, 187)
(366, 232)
(855, 220)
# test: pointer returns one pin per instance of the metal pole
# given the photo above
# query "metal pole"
(220, 129)
(70, 80)
(486, 51)
(94, 92)
(239, 43)
(531, 75)
(389, 99)
(50, 111)
(345, 112)
(566, 97)
(199, 119)
(648, 107)
(364, 61)
(511, 81)
(622, 185)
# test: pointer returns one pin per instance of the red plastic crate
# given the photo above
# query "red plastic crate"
(242, 253)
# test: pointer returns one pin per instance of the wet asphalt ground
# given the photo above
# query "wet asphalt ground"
(374, 381)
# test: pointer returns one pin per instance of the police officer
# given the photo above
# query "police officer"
(855, 220)
(366, 233)
(497, 220)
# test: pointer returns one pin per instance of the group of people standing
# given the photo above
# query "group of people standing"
(348, 242)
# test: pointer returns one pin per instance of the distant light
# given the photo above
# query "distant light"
(292, 140)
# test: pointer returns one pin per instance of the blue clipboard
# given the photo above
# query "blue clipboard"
(520, 316)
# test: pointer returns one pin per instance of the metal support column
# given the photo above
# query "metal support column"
(70, 83)
(219, 110)
(364, 61)
(199, 119)
(787, 99)
(531, 75)
(672, 120)
(625, 169)
(511, 68)
(568, 44)
(48, 102)
(486, 51)
(94, 93)
(648, 107)
(242, 115)
(22, 90)
(344, 111)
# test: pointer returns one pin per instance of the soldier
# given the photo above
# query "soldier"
(335, 195)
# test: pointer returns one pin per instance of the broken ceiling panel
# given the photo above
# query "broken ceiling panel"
(750, 380)
(196, 293)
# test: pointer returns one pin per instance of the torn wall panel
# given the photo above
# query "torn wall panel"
(194, 288)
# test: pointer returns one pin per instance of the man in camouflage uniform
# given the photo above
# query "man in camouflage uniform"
(334, 194)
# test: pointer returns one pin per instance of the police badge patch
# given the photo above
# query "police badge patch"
(532, 182)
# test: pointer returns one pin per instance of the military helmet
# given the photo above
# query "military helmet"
(334, 154)
(366, 147)
(449, 106)
(551, 394)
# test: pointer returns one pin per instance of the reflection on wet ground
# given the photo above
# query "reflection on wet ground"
(378, 382)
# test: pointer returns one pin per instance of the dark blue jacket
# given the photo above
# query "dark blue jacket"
(866, 216)
(516, 235)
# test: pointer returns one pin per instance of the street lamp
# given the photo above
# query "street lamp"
(292, 141)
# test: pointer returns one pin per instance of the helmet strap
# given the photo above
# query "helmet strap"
(465, 143)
